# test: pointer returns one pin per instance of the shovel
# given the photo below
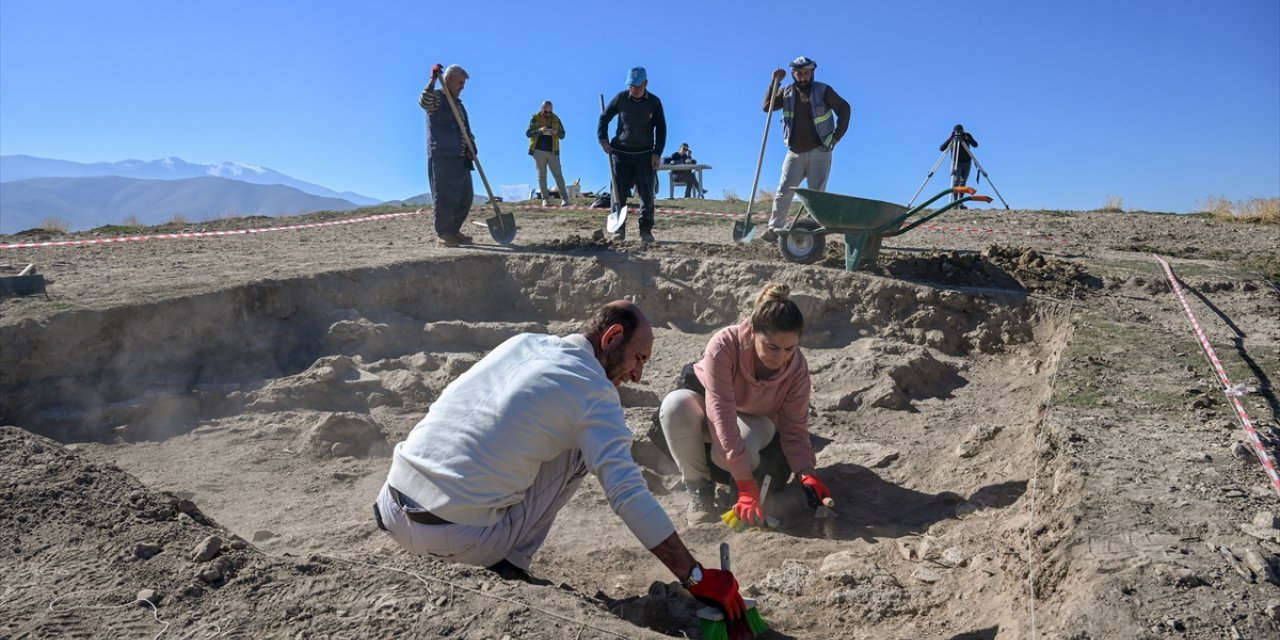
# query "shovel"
(744, 230)
(502, 226)
(617, 214)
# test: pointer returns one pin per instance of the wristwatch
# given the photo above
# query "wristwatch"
(695, 576)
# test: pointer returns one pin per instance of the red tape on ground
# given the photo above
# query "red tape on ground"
(1233, 395)
(387, 216)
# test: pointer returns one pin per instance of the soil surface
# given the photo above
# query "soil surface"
(1021, 431)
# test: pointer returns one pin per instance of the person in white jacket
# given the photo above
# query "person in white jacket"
(481, 478)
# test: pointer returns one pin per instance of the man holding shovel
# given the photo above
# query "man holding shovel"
(449, 162)
(481, 478)
(814, 119)
(636, 147)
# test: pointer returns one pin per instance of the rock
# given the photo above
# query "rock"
(1243, 451)
(149, 595)
(210, 574)
(146, 550)
(1266, 520)
(954, 557)
(262, 534)
(239, 544)
(1273, 609)
(907, 548)
(188, 507)
(207, 549)
(1255, 560)
(346, 434)
(926, 575)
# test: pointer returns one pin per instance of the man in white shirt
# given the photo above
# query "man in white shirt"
(481, 478)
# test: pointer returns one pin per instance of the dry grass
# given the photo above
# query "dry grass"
(1265, 210)
(765, 195)
(178, 219)
(731, 195)
(1114, 204)
(131, 221)
(54, 225)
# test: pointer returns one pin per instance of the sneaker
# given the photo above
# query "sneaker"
(564, 203)
(463, 238)
(544, 203)
(446, 240)
(646, 236)
(702, 506)
(769, 235)
(621, 235)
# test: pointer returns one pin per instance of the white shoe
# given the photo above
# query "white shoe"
(544, 203)
(564, 203)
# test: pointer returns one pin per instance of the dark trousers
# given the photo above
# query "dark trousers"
(451, 191)
(960, 177)
(636, 170)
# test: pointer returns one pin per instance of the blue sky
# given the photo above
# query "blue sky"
(1159, 103)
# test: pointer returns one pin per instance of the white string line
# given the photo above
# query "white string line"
(482, 594)
(155, 613)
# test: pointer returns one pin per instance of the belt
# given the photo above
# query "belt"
(421, 516)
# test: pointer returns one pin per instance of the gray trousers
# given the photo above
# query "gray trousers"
(542, 160)
(514, 538)
(683, 417)
(813, 165)
(451, 191)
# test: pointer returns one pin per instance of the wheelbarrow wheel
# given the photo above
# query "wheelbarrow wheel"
(804, 243)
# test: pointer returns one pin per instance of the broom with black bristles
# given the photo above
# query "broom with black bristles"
(711, 621)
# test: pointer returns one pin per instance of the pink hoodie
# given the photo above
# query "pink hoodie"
(727, 370)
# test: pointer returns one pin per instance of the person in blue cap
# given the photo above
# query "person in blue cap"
(636, 145)
(814, 119)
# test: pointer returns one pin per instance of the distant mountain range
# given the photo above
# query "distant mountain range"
(21, 167)
(89, 202)
(84, 196)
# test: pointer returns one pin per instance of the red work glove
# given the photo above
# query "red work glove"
(720, 589)
(749, 509)
(437, 71)
(814, 490)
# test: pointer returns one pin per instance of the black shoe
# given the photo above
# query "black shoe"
(646, 236)
(769, 235)
(621, 235)
(508, 571)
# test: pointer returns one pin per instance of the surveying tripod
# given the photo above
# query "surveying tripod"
(957, 142)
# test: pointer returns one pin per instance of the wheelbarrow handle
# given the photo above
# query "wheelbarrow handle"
(966, 190)
(981, 198)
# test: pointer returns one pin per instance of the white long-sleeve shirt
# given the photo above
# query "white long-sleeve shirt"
(531, 399)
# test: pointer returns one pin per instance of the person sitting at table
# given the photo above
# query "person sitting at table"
(684, 156)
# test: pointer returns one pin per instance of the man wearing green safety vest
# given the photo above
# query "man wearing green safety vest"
(814, 119)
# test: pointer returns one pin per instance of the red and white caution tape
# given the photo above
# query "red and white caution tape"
(1233, 392)
(204, 234)
(387, 216)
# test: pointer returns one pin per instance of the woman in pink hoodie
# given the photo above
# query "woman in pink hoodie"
(755, 384)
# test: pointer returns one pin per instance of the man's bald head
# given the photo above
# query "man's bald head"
(622, 339)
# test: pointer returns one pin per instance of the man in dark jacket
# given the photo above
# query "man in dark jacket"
(448, 157)
(960, 157)
(636, 147)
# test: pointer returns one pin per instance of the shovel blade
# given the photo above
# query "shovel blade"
(743, 231)
(502, 227)
(617, 219)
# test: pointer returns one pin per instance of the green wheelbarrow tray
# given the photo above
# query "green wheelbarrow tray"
(863, 221)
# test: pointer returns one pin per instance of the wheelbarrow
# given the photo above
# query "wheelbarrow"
(864, 223)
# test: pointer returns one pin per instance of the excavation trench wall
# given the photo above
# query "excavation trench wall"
(153, 368)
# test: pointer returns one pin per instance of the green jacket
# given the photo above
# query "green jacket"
(536, 123)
